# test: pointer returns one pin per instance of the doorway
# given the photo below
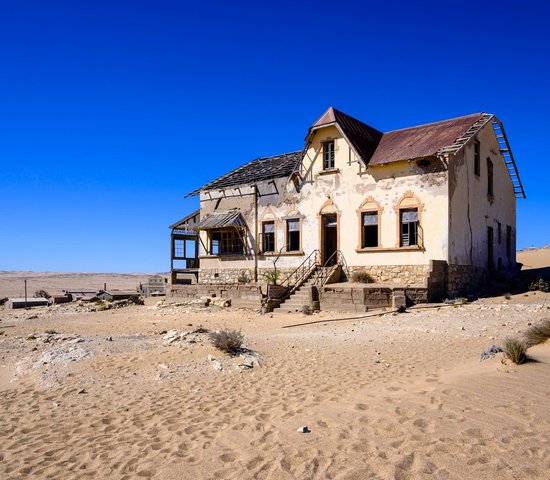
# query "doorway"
(329, 238)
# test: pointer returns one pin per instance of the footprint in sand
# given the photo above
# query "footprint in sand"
(227, 457)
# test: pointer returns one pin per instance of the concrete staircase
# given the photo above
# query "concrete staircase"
(304, 294)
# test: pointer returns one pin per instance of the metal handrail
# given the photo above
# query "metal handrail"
(326, 270)
(303, 271)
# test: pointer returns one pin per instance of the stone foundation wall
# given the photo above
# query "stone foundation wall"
(240, 295)
(402, 274)
(362, 299)
(236, 276)
(463, 279)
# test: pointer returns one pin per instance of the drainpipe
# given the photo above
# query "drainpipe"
(255, 233)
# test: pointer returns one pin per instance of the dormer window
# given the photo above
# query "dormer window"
(328, 155)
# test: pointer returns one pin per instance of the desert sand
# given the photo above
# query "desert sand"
(396, 396)
(12, 283)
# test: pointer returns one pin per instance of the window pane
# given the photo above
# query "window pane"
(370, 218)
(269, 227)
(293, 225)
(370, 236)
(410, 215)
(293, 241)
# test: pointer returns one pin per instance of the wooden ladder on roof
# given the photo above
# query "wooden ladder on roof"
(508, 157)
(467, 135)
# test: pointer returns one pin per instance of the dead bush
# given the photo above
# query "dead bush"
(514, 350)
(361, 277)
(538, 334)
(228, 341)
(41, 294)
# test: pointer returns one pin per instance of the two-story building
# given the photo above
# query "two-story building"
(432, 205)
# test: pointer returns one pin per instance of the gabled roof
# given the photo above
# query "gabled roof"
(363, 138)
(258, 170)
(423, 140)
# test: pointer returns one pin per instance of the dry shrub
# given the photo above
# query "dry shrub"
(514, 350)
(41, 294)
(228, 341)
(538, 334)
(539, 284)
(361, 277)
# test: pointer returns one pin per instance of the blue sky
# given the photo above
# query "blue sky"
(111, 111)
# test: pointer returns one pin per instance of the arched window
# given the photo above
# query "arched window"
(369, 216)
(409, 211)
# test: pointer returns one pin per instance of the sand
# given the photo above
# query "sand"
(12, 283)
(396, 396)
(387, 397)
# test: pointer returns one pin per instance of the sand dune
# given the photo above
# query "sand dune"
(390, 397)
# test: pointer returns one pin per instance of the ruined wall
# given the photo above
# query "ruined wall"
(472, 210)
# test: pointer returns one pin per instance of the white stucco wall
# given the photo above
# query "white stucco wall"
(343, 191)
(471, 209)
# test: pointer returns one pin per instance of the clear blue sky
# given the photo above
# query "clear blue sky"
(111, 111)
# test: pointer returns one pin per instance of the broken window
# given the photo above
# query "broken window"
(409, 226)
(293, 235)
(226, 242)
(268, 236)
(489, 177)
(369, 230)
(477, 158)
(328, 155)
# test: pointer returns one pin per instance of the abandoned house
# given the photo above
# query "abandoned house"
(430, 207)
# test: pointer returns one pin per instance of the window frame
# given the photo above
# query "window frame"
(410, 201)
(263, 236)
(288, 232)
(364, 227)
(369, 205)
(490, 178)
(329, 163)
(416, 224)
(477, 157)
(224, 238)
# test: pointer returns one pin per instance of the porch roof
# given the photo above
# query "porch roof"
(222, 220)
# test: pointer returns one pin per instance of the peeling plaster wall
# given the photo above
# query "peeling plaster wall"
(351, 186)
(341, 192)
(472, 211)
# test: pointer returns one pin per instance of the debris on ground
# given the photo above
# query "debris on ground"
(539, 284)
(489, 352)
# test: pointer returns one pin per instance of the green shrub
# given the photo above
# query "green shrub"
(228, 341)
(514, 350)
(538, 334)
(362, 277)
(271, 276)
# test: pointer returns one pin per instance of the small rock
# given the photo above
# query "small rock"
(109, 339)
(81, 391)
(211, 357)
(217, 365)
(304, 429)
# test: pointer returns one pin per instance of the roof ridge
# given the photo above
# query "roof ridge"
(434, 123)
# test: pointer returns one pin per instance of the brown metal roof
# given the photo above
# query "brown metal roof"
(421, 141)
(362, 137)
